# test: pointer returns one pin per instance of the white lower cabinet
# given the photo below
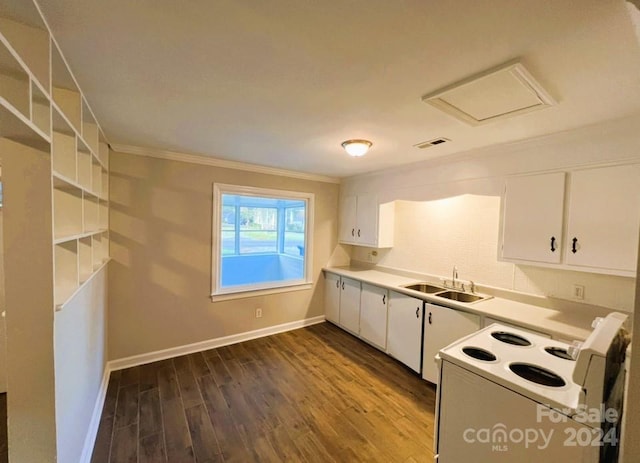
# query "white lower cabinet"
(442, 326)
(332, 297)
(350, 305)
(404, 334)
(373, 315)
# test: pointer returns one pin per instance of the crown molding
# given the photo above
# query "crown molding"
(216, 162)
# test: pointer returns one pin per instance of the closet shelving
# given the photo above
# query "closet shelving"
(41, 105)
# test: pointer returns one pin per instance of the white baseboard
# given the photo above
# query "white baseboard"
(135, 360)
(94, 424)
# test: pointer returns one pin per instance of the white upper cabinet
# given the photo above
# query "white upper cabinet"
(532, 223)
(604, 218)
(364, 222)
(593, 227)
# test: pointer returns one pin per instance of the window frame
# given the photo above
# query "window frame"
(220, 293)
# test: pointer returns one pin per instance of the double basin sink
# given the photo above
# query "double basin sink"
(452, 295)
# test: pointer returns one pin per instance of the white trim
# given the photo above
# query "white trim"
(262, 292)
(135, 360)
(216, 162)
(94, 424)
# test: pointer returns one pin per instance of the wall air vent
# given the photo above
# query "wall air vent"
(497, 93)
(430, 143)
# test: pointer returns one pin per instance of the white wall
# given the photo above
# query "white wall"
(456, 221)
(80, 359)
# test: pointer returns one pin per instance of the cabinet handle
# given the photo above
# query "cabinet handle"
(343, 285)
(353, 232)
(384, 298)
(358, 233)
(418, 312)
(574, 242)
(338, 284)
(429, 318)
(553, 244)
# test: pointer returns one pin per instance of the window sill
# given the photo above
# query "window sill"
(217, 297)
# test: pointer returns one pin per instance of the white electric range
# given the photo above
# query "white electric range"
(507, 395)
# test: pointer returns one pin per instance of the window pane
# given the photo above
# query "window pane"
(228, 217)
(294, 219)
(262, 240)
(228, 242)
(258, 218)
(257, 241)
(294, 243)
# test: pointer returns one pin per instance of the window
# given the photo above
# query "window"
(261, 239)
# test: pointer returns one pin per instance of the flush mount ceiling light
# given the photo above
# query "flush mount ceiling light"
(497, 93)
(356, 147)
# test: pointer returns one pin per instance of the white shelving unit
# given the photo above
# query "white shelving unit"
(42, 106)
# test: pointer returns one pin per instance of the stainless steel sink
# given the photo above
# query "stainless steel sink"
(460, 297)
(424, 288)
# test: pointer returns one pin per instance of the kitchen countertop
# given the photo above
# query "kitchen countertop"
(570, 323)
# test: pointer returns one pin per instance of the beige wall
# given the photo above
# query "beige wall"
(160, 275)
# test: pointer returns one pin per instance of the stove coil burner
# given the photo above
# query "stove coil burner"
(559, 352)
(537, 375)
(511, 338)
(479, 354)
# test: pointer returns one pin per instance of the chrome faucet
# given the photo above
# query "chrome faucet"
(455, 277)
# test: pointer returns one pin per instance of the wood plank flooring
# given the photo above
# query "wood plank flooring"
(4, 449)
(316, 394)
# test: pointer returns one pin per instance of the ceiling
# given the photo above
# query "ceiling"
(282, 83)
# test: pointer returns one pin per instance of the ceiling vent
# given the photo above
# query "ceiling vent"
(430, 143)
(497, 93)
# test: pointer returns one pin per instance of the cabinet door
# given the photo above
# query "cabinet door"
(348, 211)
(404, 334)
(332, 297)
(367, 220)
(532, 218)
(442, 326)
(604, 218)
(373, 315)
(350, 305)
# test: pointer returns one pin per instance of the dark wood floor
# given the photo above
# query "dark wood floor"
(312, 395)
(4, 449)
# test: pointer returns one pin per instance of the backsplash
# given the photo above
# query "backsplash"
(433, 236)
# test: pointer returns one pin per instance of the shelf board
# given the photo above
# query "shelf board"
(97, 270)
(16, 127)
(64, 183)
(64, 239)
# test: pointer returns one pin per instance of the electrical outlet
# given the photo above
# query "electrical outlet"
(578, 292)
(258, 313)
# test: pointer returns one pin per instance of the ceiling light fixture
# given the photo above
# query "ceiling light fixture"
(356, 148)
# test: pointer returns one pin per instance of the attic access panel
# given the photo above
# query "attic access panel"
(497, 93)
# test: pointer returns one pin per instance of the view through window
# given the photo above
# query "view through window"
(262, 238)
